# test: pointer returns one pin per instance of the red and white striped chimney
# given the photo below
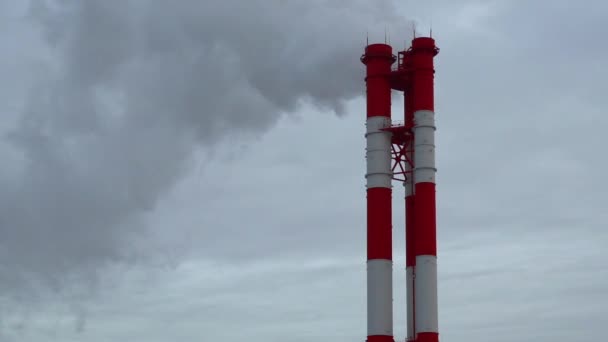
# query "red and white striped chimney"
(425, 235)
(378, 59)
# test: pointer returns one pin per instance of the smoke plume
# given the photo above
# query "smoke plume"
(126, 91)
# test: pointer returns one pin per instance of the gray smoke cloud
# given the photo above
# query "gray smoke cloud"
(126, 91)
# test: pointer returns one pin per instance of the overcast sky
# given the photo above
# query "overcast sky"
(194, 170)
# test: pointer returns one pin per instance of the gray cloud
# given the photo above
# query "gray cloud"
(128, 90)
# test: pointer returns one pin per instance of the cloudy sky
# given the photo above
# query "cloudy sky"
(193, 170)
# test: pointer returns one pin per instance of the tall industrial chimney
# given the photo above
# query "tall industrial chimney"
(378, 58)
(425, 232)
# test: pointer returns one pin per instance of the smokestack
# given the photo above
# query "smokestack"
(425, 233)
(378, 59)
